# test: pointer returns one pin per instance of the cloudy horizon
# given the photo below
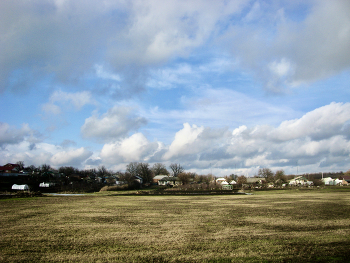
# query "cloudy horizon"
(220, 87)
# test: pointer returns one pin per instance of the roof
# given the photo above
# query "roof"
(20, 187)
(251, 180)
(346, 177)
(9, 167)
(300, 178)
(169, 178)
(158, 177)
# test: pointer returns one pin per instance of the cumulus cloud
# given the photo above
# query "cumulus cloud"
(12, 135)
(44, 153)
(320, 123)
(117, 122)
(131, 149)
(194, 140)
(73, 157)
(317, 139)
(318, 136)
(183, 141)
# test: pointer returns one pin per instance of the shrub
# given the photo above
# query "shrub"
(318, 182)
(114, 188)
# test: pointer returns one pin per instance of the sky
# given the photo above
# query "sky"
(218, 86)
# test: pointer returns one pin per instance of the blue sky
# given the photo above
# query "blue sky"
(217, 86)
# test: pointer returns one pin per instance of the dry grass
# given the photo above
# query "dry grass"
(284, 227)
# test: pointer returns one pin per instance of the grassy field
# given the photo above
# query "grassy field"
(273, 226)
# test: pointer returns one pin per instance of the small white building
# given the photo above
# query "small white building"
(43, 184)
(21, 187)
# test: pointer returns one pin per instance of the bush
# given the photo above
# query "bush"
(318, 182)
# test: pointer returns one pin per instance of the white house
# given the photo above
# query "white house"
(300, 180)
(169, 180)
(338, 182)
(331, 181)
(158, 177)
(327, 181)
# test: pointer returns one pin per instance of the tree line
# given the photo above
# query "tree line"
(140, 173)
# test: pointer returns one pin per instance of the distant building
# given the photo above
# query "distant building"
(9, 168)
(21, 187)
(169, 180)
(300, 180)
(158, 177)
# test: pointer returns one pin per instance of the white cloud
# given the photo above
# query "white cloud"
(102, 73)
(112, 125)
(183, 142)
(318, 135)
(12, 135)
(280, 69)
(54, 39)
(74, 157)
(319, 123)
(131, 149)
(318, 138)
(286, 50)
(164, 29)
(44, 153)
(77, 99)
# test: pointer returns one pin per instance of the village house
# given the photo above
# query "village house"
(158, 177)
(300, 180)
(331, 181)
(223, 181)
(255, 180)
(169, 180)
(9, 168)
(345, 178)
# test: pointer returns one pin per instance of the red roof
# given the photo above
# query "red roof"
(346, 177)
(8, 167)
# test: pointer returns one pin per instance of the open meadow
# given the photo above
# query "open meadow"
(271, 226)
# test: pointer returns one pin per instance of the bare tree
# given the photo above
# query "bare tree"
(267, 174)
(103, 173)
(184, 178)
(45, 168)
(280, 177)
(241, 180)
(145, 173)
(130, 180)
(133, 168)
(20, 165)
(159, 169)
(176, 168)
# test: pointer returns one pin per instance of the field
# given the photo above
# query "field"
(273, 226)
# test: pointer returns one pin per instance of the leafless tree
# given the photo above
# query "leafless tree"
(176, 168)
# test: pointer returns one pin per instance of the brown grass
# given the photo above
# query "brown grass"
(308, 226)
